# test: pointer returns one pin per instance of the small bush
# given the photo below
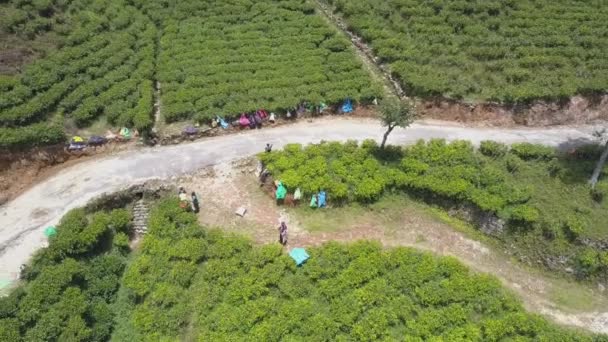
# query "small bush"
(573, 227)
(492, 148)
(524, 215)
(588, 262)
(600, 191)
(550, 228)
(513, 163)
(527, 151)
(554, 167)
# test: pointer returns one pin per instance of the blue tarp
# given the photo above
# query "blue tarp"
(322, 199)
(347, 107)
(222, 122)
(299, 255)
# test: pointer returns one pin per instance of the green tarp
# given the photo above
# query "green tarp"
(313, 201)
(125, 133)
(50, 231)
(281, 191)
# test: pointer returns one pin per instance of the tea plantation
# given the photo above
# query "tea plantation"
(507, 51)
(540, 197)
(211, 58)
(189, 283)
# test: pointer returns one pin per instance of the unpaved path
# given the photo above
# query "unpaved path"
(23, 219)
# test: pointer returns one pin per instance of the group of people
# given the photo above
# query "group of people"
(319, 200)
(186, 203)
(255, 120)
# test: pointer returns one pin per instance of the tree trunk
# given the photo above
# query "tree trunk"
(388, 131)
(599, 167)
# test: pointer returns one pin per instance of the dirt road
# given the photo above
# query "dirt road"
(23, 219)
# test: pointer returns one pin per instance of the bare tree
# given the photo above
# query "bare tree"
(395, 113)
(601, 135)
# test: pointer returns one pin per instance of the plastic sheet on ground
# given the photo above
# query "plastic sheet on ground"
(299, 255)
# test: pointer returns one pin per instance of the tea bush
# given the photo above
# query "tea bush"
(492, 148)
(434, 169)
(70, 285)
(528, 151)
(217, 58)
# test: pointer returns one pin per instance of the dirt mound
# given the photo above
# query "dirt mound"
(577, 110)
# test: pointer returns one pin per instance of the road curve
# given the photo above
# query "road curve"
(22, 220)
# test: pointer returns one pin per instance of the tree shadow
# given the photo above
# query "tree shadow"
(389, 154)
(576, 160)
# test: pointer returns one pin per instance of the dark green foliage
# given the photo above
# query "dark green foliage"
(590, 261)
(528, 151)
(600, 191)
(507, 51)
(492, 148)
(513, 163)
(71, 284)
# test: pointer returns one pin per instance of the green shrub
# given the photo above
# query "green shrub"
(492, 149)
(573, 227)
(513, 163)
(551, 228)
(527, 151)
(524, 214)
(70, 284)
(589, 262)
(600, 191)
(554, 167)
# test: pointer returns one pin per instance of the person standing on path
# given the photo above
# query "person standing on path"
(283, 233)
(195, 205)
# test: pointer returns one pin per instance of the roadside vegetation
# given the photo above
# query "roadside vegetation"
(529, 196)
(506, 51)
(69, 287)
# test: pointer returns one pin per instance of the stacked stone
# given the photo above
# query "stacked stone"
(140, 217)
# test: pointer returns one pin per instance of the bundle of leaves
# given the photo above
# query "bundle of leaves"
(70, 285)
